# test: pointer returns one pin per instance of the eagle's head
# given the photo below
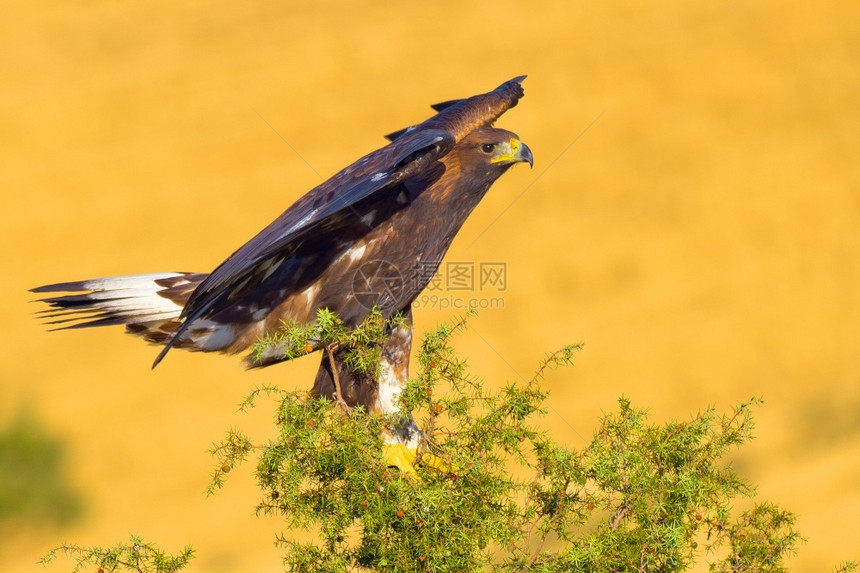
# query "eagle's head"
(488, 152)
(472, 166)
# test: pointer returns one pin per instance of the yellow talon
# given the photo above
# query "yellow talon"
(437, 463)
(403, 458)
(400, 457)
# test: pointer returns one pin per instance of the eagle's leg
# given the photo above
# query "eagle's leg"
(382, 395)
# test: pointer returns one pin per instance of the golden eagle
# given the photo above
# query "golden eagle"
(371, 236)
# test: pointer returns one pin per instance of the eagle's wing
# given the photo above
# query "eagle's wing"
(322, 209)
(381, 169)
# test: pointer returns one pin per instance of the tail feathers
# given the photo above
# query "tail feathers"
(149, 305)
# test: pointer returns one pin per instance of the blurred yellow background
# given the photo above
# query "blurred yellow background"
(702, 237)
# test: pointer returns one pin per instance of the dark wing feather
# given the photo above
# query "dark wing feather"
(460, 117)
(418, 152)
(442, 106)
(395, 134)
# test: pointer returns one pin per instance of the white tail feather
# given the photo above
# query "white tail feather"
(132, 300)
(148, 305)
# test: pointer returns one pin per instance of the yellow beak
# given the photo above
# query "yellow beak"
(514, 151)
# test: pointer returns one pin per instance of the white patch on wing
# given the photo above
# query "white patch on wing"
(379, 176)
(311, 293)
(356, 252)
(270, 266)
(298, 225)
(368, 219)
(260, 313)
(352, 254)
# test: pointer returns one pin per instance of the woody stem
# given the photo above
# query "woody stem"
(334, 376)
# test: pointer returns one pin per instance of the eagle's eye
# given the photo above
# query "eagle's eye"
(488, 148)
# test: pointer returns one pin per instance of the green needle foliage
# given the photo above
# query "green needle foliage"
(640, 496)
(495, 491)
(135, 555)
(363, 351)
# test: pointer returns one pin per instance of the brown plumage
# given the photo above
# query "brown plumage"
(373, 234)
